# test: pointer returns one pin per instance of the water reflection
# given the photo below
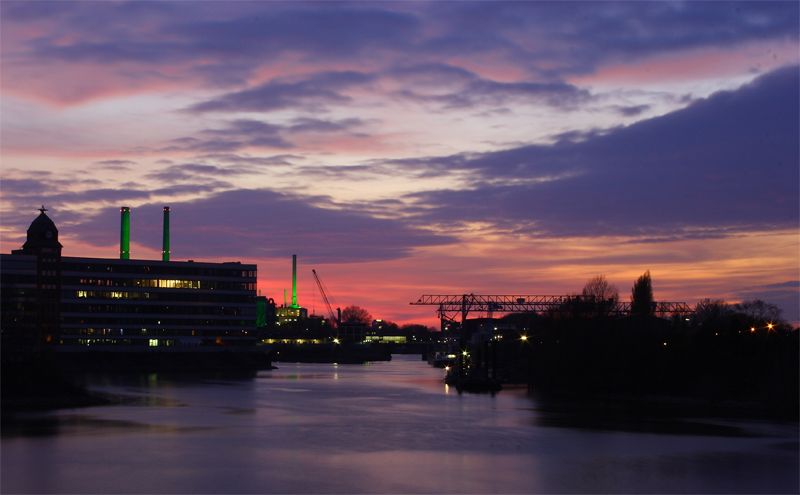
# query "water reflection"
(383, 428)
(634, 424)
(83, 425)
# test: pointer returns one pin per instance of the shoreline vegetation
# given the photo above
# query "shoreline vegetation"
(655, 366)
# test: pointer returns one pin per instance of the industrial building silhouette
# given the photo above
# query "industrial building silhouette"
(52, 299)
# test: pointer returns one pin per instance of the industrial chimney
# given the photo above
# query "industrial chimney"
(125, 234)
(165, 242)
(294, 281)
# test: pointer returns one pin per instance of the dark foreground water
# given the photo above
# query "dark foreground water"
(378, 428)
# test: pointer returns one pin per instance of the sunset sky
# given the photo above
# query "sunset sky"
(403, 149)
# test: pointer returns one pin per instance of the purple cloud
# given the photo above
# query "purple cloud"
(225, 43)
(250, 224)
(302, 125)
(191, 171)
(248, 133)
(455, 87)
(725, 164)
(311, 93)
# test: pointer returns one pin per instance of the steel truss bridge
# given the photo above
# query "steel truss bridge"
(465, 303)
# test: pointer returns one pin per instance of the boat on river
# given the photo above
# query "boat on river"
(471, 380)
(441, 359)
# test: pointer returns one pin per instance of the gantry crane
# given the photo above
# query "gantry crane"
(466, 303)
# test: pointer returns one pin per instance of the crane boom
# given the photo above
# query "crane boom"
(334, 320)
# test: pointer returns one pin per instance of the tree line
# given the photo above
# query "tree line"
(722, 356)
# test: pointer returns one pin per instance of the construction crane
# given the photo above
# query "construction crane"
(333, 317)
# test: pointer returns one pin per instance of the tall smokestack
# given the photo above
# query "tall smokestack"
(165, 242)
(125, 234)
(294, 281)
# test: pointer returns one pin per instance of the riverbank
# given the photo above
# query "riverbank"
(35, 384)
(670, 370)
(45, 379)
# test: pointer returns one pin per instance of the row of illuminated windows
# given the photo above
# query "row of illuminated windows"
(122, 321)
(156, 332)
(103, 342)
(202, 297)
(288, 311)
(399, 339)
(205, 309)
(100, 341)
(160, 283)
(294, 341)
(9, 279)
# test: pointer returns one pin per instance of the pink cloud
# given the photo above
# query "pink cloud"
(695, 65)
(79, 83)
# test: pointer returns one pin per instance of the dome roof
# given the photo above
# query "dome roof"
(42, 233)
(42, 224)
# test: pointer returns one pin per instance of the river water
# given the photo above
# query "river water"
(389, 427)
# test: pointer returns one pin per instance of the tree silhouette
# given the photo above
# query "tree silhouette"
(708, 311)
(356, 314)
(758, 309)
(642, 295)
(606, 295)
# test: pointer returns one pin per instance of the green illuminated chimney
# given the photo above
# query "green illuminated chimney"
(125, 234)
(165, 242)
(294, 282)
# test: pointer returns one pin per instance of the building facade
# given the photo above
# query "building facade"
(50, 299)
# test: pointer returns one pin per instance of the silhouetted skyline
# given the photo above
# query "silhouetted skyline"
(416, 148)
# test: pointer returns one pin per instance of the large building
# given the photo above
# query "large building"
(50, 299)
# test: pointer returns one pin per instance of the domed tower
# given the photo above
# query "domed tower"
(42, 236)
(43, 243)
